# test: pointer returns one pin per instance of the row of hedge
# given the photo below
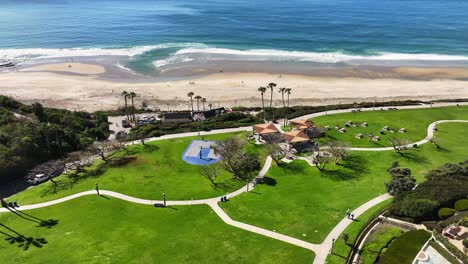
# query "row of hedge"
(452, 248)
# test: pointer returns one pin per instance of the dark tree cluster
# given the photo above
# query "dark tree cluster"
(443, 186)
(38, 134)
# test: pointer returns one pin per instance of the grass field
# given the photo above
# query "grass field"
(414, 120)
(298, 200)
(149, 175)
(99, 230)
(405, 248)
(379, 240)
(342, 250)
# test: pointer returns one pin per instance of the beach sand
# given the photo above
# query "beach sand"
(53, 87)
(78, 68)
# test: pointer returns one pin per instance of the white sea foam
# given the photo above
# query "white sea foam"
(39, 53)
(324, 57)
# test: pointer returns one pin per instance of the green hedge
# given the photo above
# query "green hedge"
(453, 249)
(461, 205)
(445, 212)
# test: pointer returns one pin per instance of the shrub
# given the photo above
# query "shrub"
(414, 208)
(445, 212)
(461, 205)
(465, 242)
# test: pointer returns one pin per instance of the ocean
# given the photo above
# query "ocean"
(148, 36)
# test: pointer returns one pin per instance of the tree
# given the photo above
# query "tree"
(77, 161)
(133, 95)
(38, 111)
(399, 144)
(283, 91)
(321, 162)
(198, 98)
(103, 149)
(203, 100)
(234, 159)
(262, 91)
(211, 173)
(338, 150)
(271, 86)
(191, 94)
(288, 92)
(210, 105)
(125, 95)
(345, 237)
(275, 152)
(401, 182)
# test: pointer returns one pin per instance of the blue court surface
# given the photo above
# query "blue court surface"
(199, 152)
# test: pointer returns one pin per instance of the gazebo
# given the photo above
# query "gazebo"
(266, 131)
(297, 139)
(302, 124)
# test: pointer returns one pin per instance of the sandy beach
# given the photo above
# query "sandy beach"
(79, 86)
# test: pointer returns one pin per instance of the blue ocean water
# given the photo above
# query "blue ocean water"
(163, 32)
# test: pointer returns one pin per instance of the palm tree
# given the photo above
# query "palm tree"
(271, 86)
(283, 91)
(125, 95)
(210, 105)
(203, 100)
(288, 92)
(198, 98)
(262, 90)
(190, 94)
(133, 95)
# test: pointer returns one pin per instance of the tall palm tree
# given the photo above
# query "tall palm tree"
(288, 92)
(210, 105)
(271, 86)
(133, 95)
(203, 100)
(283, 91)
(125, 95)
(190, 94)
(198, 98)
(262, 90)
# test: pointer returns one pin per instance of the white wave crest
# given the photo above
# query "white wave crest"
(324, 57)
(40, 53)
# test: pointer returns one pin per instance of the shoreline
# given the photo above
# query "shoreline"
(96, 85)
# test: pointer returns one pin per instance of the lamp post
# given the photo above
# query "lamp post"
(373, 106)
(247, 185)
(164, 199)
(331, 249)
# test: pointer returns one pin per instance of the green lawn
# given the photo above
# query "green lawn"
(149, 175)
(405, 248)
(297, 200)
(98, 230)
(342, 250)
(414, 120)
(377, 242)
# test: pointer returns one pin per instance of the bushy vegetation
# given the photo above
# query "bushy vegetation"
(405, 248)
(379, 241)
(461, 205)
(443, 186)
(445, 212)
(229, 120)
(42, 134)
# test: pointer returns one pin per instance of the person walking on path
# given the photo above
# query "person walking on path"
(97, 188)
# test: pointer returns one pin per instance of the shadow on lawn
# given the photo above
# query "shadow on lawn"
(354, 167)
(268, 181)
(22, 241)
(413, 156)
(40, 222)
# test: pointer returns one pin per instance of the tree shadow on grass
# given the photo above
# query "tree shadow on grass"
(294, 168)
(353, 168)
(40, 222)
(414, 157)
(22, 241)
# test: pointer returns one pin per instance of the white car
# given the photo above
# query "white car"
(38, 178)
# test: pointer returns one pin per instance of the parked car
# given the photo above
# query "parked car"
(38, 178)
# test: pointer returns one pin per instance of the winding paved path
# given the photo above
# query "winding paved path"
(321, 250)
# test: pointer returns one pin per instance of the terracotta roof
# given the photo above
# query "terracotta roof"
(295, 136)
(265, 128)
(302, 124)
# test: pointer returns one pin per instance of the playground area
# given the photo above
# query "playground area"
(199, 152)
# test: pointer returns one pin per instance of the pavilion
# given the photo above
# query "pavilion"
(297, 139)
(302, 124)
(266, 131)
